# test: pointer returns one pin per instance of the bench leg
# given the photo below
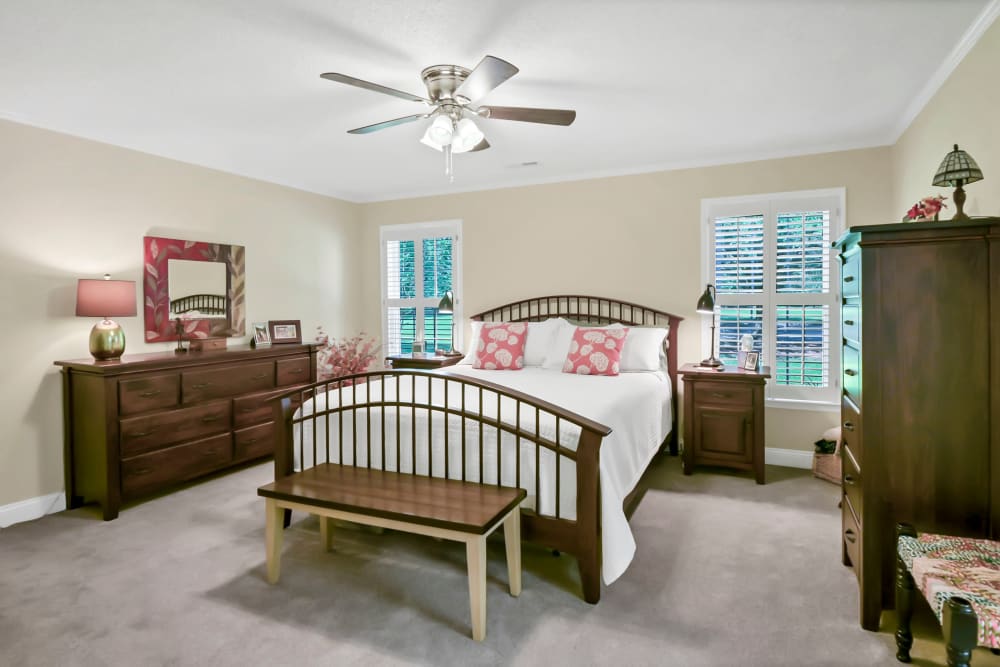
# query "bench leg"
(475, 555)
(904, 599)
(326, 532)
(272, 537)
(512, 540)
(961, 631)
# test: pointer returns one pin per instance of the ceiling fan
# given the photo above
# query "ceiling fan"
(452, 95)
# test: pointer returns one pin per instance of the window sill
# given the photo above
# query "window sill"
(793, 404)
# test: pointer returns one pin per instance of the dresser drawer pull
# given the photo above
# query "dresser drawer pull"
(250, 441)
(848, 279)
(201, 385)
(848, 479)
(143, 434)
(210, 452)
(260, 376)
(849, 323)
(295, 371)
(849, 426)
(719, 394)
(850, 372)
(150, 394)
(141, 471)
(250, 409)
(211, 418)
(851, 537)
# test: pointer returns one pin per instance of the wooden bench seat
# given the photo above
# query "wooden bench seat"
(450, 509)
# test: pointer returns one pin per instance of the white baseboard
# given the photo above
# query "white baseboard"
(32, 508)
(789, 458)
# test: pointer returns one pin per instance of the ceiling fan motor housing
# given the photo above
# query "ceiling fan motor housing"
(442, 81)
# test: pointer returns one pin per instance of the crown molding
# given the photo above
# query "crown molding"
(945, 70)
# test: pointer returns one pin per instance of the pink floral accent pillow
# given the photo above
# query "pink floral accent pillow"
(595, 351)
(501, 346)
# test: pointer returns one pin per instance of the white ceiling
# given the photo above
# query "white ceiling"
(234, 84)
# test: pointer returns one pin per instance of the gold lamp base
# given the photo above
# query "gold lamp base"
(107, 341)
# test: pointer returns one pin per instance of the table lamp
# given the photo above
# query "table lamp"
(447, 307)
(706, 306)
(958, 169)
(106, 299)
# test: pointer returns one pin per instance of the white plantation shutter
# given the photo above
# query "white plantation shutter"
(770, 259)
(419, 263)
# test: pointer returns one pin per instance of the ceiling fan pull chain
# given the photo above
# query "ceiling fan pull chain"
(448, 167)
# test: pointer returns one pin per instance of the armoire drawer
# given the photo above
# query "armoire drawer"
(851, 272)
(852, 537)
(203, 385)
(850, 429)
(145, 394)
(852, 373)
(294, 371)
(253, 442)
(851, 482)
(155, 431)
(142, 474)
(851, 317)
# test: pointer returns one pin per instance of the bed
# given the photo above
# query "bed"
(578, 445)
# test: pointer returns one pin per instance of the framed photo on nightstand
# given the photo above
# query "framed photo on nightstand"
(750, 363)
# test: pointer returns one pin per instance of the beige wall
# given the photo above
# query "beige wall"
(632, 237)
(966, 111)
(71, 208)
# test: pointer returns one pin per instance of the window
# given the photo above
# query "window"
(774, 270)
(420, 262)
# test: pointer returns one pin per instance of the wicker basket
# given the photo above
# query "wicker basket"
(828, 466)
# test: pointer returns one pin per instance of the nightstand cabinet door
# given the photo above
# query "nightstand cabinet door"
(723, 434)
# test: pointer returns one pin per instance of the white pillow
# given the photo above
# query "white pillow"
(541, 335)
(558, 347)
(643, 350)
(470, 356)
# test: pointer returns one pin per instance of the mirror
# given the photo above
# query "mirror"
(201, 284)
(196, 289)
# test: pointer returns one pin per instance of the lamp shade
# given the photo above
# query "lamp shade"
(706, 302)
(447, 303)
(105, 298)
(957, 168)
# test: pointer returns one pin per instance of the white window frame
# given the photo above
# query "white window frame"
(417, 232)
(769, 205)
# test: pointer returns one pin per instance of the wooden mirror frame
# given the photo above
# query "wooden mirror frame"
(156, 309)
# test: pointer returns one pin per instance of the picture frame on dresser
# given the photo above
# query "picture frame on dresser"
(750, 363)
(261, 335)
(285, 331)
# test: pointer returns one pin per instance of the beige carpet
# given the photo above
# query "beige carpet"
(727, 573)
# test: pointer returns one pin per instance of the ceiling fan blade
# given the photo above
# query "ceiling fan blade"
(488, 74)
(374, 87)
(386, 123)
(481, 146)
(529, 115)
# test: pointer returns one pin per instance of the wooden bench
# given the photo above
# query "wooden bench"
(443, 508)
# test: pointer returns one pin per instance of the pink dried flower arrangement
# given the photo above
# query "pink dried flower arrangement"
(346, 357)
(925, 209)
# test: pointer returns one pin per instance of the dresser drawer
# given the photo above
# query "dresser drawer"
(851, 482)
(850, 429)
(250, 410)
(150, 432)
(852, 373)
(148, 393)
(851, 275)
(294, 370)
(149, 472)
(851, 534)
(197, 386)
(723, 394)
(253, 442)
(851, 315)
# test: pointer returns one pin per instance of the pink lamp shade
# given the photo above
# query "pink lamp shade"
(105, 298)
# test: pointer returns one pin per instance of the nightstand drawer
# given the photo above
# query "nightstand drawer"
(723, 394)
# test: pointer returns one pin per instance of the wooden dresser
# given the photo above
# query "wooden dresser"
(149, 421)
(921, 380)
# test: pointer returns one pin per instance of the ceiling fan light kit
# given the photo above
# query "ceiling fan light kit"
(452, 92)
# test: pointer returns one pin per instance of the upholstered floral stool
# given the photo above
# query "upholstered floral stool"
(960, 578)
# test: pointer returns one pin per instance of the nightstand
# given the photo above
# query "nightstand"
(422, 361)
(724, 418)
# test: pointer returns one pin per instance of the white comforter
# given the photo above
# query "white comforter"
(636, 406)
